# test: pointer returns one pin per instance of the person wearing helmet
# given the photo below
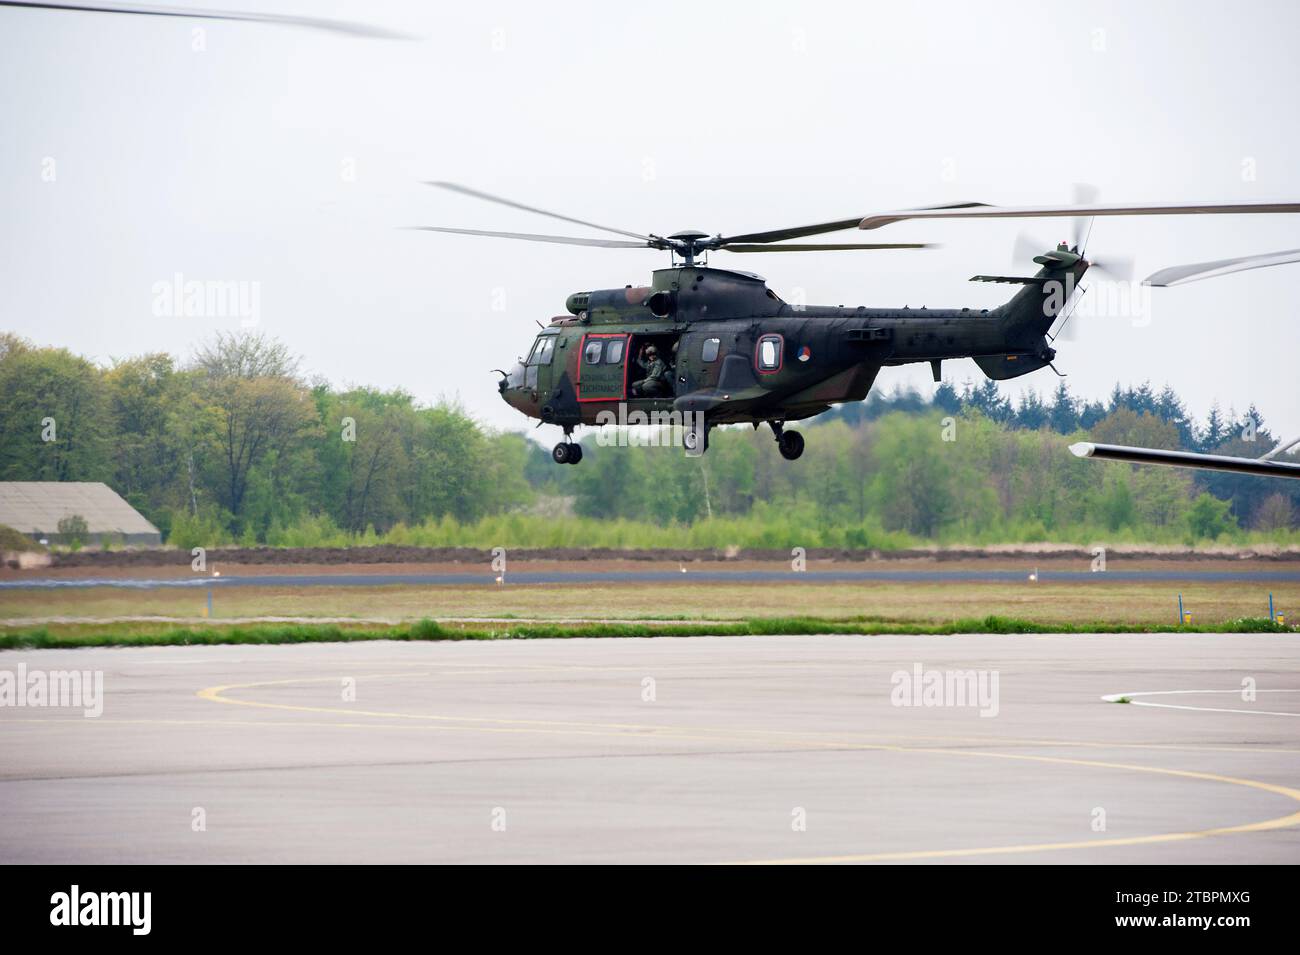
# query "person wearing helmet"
(655, 384)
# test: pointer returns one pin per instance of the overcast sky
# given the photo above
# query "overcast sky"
(289, 157)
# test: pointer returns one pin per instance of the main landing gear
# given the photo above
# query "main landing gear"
(567, 451)
(789, 443)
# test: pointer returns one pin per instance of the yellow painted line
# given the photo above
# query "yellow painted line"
(493, 724)
(1281, 822)
(214, 694)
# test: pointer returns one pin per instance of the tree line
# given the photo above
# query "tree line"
(237, 444)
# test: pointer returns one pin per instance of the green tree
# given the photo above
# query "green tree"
(147, 452)
(256, 407)
(1063, 413)
(1209, 517)
(1127, 427)
(54, 419)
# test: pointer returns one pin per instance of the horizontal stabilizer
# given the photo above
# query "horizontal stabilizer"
(1011, 279)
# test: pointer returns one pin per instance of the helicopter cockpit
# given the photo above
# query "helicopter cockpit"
(542, 355)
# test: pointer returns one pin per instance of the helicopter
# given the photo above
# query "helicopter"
(733, 344)
(736, 352)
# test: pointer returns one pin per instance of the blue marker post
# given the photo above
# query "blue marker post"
(1180, 608)
(1271, 615)
(209, 603)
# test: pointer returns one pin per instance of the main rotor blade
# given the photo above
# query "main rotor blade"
(799, 232)
(823, 247)
(1033, 212)
(1185, 459)
(1180, 274)
(488, 197)
(530, 237)
(316, 23)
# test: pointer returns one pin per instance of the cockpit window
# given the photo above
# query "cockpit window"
(543, 350)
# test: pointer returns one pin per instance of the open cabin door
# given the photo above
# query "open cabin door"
(602, 366)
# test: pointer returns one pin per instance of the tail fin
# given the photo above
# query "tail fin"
(1033, 310)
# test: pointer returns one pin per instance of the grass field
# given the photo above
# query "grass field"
(160, 634)
(1096, 604)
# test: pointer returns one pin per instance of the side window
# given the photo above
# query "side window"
(769, 353)
(614, 351)
(592, 353)
(710, 350)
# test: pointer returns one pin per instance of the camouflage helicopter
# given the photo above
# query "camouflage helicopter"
(737, 353)
(734, 352)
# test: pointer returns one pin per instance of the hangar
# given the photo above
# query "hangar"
(36, 508)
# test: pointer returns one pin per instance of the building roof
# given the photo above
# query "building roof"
(37, 507)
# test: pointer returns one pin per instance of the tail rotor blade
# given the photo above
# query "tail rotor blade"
(1026, 247)
(1115, 268)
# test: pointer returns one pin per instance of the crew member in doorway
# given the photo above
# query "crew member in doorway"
(655, 384)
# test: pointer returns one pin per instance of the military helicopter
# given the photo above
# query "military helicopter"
(738, 353)
(735, 352)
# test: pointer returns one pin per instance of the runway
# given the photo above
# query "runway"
(486, 577)
(754, 749)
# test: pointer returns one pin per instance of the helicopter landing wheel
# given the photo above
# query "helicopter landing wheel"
(695, 441)
(566, 452)
(790, 444)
